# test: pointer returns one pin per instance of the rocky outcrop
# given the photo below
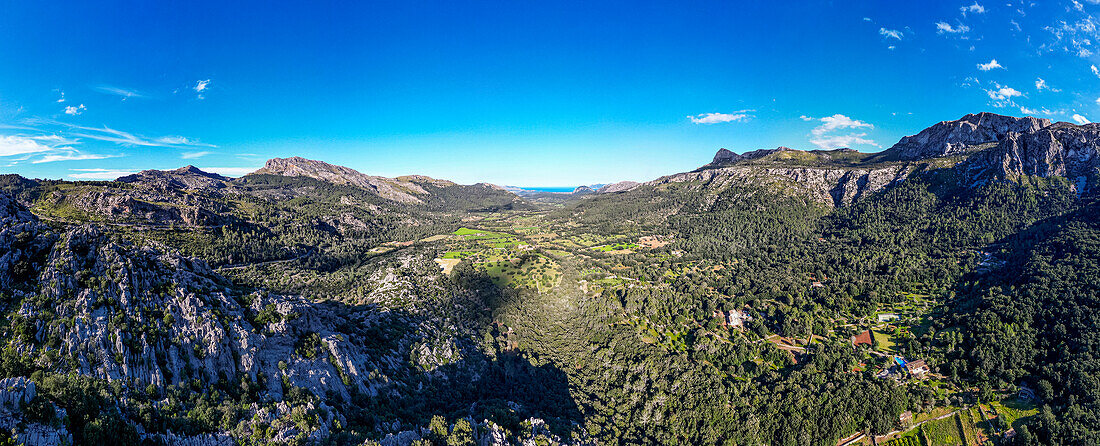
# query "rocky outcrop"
(22, 239)
(583, 190)
(1063, 150)
(396, 189)
(187, 177)
(828, 186)
(955, 137)
(621, 186)
(726, 157)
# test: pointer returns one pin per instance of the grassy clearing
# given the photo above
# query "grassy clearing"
(884, 341)
(943, 432)
(457, 254)
(1014, 411)
(616, 247)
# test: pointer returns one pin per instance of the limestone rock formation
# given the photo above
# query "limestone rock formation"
(955, 137)
(396, 189)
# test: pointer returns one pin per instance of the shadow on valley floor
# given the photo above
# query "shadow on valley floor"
(499, 383)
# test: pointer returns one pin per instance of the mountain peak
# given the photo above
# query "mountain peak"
(188, 177)
(396, 189)
(726, 157)
(948, 138)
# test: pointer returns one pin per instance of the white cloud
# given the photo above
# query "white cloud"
(837, 122)
(715, 118)
(73, 111)
(1041, 84)
(890, 33)
(867, 19)
(990, 66)
(99, 174)
(842, 141)
(125, 93)
(130, 139)
(200, 87)
(975, 8)
(805, 118)
(230, 171)
(1095, 71)
(824, 136)
(11, 145)
(71, 156)
(1028, 111)
(944, 27)
(1002, 93)
(193, 155)
(1080, 120)
(62, 99)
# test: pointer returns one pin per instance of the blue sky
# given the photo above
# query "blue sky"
(517, 93)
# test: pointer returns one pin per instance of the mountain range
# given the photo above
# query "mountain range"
(770, 297)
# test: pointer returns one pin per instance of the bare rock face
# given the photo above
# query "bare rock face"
(397, 189)
(621, 186)
(954, 137)
(828, 186)
(1063, 149)
(187, 177)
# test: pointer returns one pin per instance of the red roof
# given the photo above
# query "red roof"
(863, 338)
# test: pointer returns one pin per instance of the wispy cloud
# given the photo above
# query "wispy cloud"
(123, 92)
(129, 139)
(12, 145)
(39, 140)
(973, 9)
(1080, 120)
(75, 110)
(62, 98)
(890, 33)
(193, 155)
(201, 87)
(71, 156)
(715, 118)
(992, 65)
(825, 136)
(947, 28)
(1041, 84)
(99, 174)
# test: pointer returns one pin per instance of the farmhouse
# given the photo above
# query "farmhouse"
(738, 318)
(917, 368)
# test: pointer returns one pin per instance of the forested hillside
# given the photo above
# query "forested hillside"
(942, 292)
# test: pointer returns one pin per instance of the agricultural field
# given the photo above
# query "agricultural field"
(910, 440)
(1014, 411)
(616, 247)
(884, 341)
(943, 432)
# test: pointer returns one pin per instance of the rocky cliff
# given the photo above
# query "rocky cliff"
(397, 189)
(1060, 150)
(955, 137)
(621, 186)
(828, 186)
